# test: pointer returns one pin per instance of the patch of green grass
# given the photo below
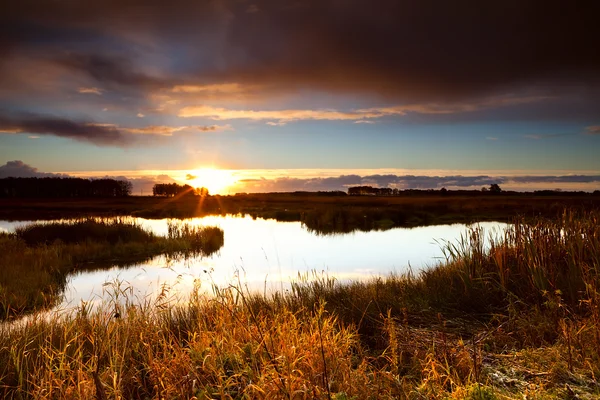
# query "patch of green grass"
(84, 230)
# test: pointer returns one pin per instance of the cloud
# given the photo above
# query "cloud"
(111, 71)
(252, 8)
(100, 134)
(287, 184)
(342, 182)
(556, 179)
(144, 184)
(141, 185)
(358, 116)
(219, 113)
(215, 128)
(18, 169)
(159, 130)
(545, 135)
(90, 90)
(163, 130)
(214, 88)
(593, 130)
(408, 51)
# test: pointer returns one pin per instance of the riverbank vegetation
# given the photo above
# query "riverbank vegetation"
(36, 259)
(518, 318)
(322, 213)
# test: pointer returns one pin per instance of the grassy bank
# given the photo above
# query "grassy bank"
(36, 259)
(520, 318)
(321, 214)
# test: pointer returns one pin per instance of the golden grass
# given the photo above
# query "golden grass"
(518, 319)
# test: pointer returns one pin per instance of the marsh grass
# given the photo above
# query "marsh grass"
(111, 231)
(516, 317)
(321, 214)
(37, 258)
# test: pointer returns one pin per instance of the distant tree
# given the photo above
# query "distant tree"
(369, 190)
(202, 191)
(495, 188)
(173, 189)
(484, 189)
(444, 190)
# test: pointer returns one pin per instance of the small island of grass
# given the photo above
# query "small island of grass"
(36, 259)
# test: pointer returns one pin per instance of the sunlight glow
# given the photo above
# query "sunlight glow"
(215, 180)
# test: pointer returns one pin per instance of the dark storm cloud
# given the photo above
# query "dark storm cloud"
(420, 48)
(18, 169)
(409, 51)
(62, 127)
(96, 133)
(111, 71)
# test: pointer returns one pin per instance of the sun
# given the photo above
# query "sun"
(215, 180)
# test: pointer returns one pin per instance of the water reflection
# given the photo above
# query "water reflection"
(267, 255)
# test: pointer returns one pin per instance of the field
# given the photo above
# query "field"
(322, 214)
(520, 319)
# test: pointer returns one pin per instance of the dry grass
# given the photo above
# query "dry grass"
(319, 213)
(37, 258)
(519, 318)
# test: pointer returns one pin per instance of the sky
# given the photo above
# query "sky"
(303, 95)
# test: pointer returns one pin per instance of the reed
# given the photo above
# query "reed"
(515, 316)
(36, 259)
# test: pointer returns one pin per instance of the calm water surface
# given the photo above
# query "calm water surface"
(267, 255)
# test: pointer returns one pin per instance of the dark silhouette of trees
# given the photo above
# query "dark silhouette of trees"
(369, 190)
(173, 189)
(495, 188)
(63, 187)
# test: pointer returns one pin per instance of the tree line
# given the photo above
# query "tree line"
(64, 187)
(369, 190)
(173, 189)
(494, 188)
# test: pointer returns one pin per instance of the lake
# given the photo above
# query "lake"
(266, 255)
